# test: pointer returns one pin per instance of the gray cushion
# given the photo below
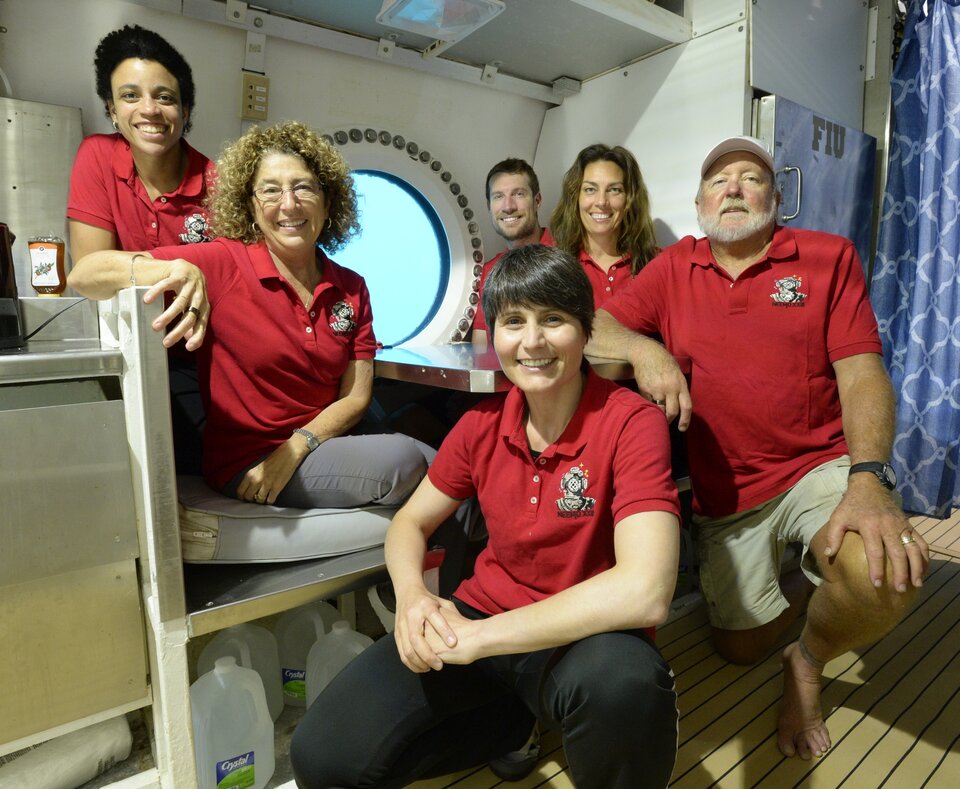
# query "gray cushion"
(219, 530)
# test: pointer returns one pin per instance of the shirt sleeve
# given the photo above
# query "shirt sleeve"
(452, 470)
(642, 474)
(852, 327)
(638, 305)
(87, 200)
(364, 343)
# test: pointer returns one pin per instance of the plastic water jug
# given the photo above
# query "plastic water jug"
(330, 655)
(232, 729)
(254, 647)
(296, 632)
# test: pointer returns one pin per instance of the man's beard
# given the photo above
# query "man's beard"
(514, 232)
(712, 226)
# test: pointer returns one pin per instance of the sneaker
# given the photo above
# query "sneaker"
(517, 765)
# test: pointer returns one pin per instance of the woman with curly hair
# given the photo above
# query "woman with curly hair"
(284, 336)
(603, 218)
(142, 186)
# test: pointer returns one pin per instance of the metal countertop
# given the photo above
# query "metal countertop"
(48, 360)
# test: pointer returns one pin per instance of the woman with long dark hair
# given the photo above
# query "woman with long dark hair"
(603, 218)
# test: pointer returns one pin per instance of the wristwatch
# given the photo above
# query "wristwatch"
(883, 471)
(312, 441)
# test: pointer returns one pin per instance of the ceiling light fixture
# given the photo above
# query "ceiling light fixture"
(445, 20)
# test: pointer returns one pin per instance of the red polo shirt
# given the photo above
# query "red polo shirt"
(105, 192)
(606, 284)
(760, 353)
(479, 322)
(551, 520)
(269, 364)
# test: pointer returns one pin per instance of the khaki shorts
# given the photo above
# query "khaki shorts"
(740, 554)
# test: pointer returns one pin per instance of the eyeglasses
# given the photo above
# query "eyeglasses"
(303, 193)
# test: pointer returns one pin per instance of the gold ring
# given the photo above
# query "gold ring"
(258, 498)
(906, 540)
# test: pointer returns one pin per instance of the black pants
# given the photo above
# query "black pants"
(378, 724)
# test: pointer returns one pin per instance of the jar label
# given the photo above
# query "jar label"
(43, 258)
(236, 773)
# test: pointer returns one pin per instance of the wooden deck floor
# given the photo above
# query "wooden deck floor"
(893, 708)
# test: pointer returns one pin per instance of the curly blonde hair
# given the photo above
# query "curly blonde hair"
(229, 201)
(637, 236)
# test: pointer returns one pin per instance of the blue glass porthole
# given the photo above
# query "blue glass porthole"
(402, 253)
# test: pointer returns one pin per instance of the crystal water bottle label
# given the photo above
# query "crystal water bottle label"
(294, 683)
(236, 773)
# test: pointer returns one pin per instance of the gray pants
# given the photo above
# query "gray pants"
(353, 471)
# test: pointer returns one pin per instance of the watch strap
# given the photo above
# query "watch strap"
(882, 471)
(312, 441)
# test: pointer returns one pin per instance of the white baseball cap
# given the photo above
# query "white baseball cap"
(748, 144)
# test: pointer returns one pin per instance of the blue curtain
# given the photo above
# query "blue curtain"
(916, 288)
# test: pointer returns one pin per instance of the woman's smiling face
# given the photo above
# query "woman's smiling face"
(292, 225)
(539, 348)
(603, 199)
(146, 106)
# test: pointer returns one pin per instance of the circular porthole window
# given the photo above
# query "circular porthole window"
(419, 250)
(402, 253)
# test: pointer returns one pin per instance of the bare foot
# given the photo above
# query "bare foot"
(801, 730)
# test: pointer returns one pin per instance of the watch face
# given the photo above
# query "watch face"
(890, 476)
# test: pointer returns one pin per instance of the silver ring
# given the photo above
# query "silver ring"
(195, 311)
(659, 402)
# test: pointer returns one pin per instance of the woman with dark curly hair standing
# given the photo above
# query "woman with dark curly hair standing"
(603, 218)
(284, 336)
(142, 186)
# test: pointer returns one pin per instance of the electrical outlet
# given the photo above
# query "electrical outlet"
(254, 101)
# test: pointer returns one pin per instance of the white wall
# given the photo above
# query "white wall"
(829, 79)
(668, 110)
(47, 55)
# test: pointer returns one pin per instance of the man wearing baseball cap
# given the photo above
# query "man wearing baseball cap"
(791, 432)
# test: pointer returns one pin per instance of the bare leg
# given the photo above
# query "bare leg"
(749, 646)
(845, 612)
(801, 729)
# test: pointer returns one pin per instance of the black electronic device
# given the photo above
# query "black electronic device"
(11, 325)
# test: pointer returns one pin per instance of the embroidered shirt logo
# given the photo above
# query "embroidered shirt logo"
(343, 318)
(197, 229)
(573, 485)
(788, 292)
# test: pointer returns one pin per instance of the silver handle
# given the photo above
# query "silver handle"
(795, 214)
